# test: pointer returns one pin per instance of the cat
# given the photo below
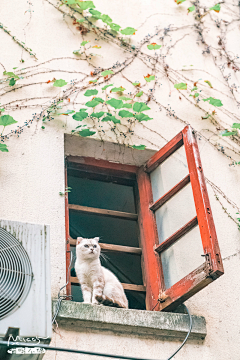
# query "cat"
(99, 285)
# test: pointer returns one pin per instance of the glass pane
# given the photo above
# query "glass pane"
(100, 194)
(169, 173)
(175, 213)
(182, 257)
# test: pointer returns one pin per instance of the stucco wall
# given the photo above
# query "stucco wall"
(32, 172)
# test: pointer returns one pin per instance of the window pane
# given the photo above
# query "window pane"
(100, 194)
(182, 257)
(175, 213)
(169, 173)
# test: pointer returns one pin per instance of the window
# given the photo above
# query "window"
(154, 221)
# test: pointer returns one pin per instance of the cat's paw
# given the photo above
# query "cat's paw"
(95, 301)
(100, 298)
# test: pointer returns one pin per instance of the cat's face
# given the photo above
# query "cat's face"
(88, 248)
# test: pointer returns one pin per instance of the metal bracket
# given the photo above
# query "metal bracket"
(208, 260)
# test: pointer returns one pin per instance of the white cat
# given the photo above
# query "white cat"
(98, 284)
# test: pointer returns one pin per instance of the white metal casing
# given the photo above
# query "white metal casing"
(33, 318)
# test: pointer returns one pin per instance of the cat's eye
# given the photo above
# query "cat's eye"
(86, 245)
(94, 246)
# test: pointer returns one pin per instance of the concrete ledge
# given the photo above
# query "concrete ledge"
(131, 321)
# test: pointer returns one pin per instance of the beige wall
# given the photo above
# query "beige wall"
(32, 173)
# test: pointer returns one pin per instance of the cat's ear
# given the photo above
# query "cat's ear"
(79, 239)
(97, 239)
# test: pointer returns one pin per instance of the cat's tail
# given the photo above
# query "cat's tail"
(105, 300)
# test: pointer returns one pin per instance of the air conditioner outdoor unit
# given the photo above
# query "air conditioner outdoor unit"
(25, 291)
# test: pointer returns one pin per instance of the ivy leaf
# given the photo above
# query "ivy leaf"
(216, 8)
(98, 114)
(96, 14)
(128, 31)
(181, 86)
(179, 1)
(116, 89)
(110, 117)
(214, 102)
(86, 132)
(68, 112)
(136, 83)
(228, 133)
(139, 147)
(92, 103)
(124, 98)
(91, 92)
(115, 27)
(79, 116)
(191, 9)
(236, 126)
(194, 88)
(84, 43)
(3, 148)
(99, 99)
(149, 77)
(106, 86)
(80, 20)
(117, 104)
(125, 113)
(59, 83)
(196, 95)
(139, 94)
(6, 120)
(84, 5)
(12, 82)
(107, 72)
(93, 81)
(82, 109)
(105, 18)
(142, 117)
(140, 106)
(10, 74)
(206, 116)
(154, 46)
(208, 82)
(127, 106)
(2, 110)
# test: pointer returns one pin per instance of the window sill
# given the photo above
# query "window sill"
(138, 322)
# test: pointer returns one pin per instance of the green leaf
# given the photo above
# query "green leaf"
(92, 103)
(180, 1)
(136, 83)
(125, 113)
(139, 147)
(79, 116)
(106, 86)
(3, 148)
(115, 27)
(110, 117)
(194, 88)
(82, 109)
(124, 98)
(140, 106)
(216, 8)
(68, 112)
(228, 133)
(149, 78)
(86, 132)
(214, 102)
(105, 18)
(206, 116)
(80, 20)
(181, 86)
(6, 120)
(127, 106)
(97, 114)
(96, 14)
(139, 94)
(117, 104)
(236, 126)
(116, 89)
(93, 81)
(10, 74)
(12, 82)
(196, 95)
(128, 31)
(106, 72)
(59, 83)
(91, 92)
(84, 5)
(2, 110)
(84, 43)
(191, 9)
(99, 99)
(142, 117)
(208, 82)
(154, 46)
(43, 127)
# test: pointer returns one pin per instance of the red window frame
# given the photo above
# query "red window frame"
(157, 296)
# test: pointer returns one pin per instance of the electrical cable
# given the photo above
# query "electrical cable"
(52, 348)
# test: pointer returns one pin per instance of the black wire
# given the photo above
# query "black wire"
(52, 348)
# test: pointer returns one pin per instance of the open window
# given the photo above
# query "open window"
(155, 223)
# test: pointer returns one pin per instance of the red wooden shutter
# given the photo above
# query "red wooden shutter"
(169, 297)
